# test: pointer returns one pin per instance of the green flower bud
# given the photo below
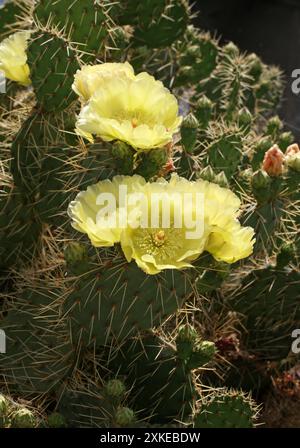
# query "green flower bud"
(207, 174)
(56, 420)
(185, 341)
(152, 162)
(245, 118)
(284, 140)
(255, 66)
(76, 256)
(261, 183)
(124, 417)
(293, 161)
(260, 180)
(285, 255)
(123, 155)
(193, 51)
(231, 49)
(75, 252)
(3, 405)
(23, 418)
(115, 388)
(274, 125)
(221, 180)
(203, 111)
(202, 355)
(189, 129)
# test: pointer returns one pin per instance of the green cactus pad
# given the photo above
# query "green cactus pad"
(39, 355)
(269, 300)
(9, 13)
(118, 300)
(84, 23)
(64, 172)
(160, 383)
(53, 65)
(226, 410)
(157, 23)
(20, 229)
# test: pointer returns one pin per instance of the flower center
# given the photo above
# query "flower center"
(134, 122)
(159, 238)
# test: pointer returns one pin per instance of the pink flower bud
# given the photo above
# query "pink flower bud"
(292, 150)
(273, 161)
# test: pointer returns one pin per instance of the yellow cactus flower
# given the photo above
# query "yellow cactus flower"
(163, 224)
(139, 111)
(92, 77)
(91, 212)
(157, 248)
(163, 238)
(231, 243)
(13, 58)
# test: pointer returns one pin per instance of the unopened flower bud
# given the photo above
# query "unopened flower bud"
(56, 420)
(23, 418)
(124, 417)
(189, 132)
(115, 388)
(207, 174)
(285, 140)
(255, 66)
(245, 118)
(3, 405)
(203, 354)
(260, 180)
(231, 49)
(273, 161)
(274, 125)
(292, 150)
(203, 111)
(293, 161)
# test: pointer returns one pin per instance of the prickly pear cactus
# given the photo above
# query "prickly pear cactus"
(109, 322)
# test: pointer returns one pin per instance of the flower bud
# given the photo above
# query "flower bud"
(75, 252)
(189, 132)
(285, 255)
(123, 155)
(292, 150)
(203, 354)
(56, 420)
(260, 180)
(285, 140)
(293, 161)
(231, 49)
(76, 256)
(274, 125)
(221, 180)
(255, 66)
(124, 417)
(245, 118)
(273, 161)
(3, 405)
(23, 418)
(185, 340)
(115, 388)
(203, 111)
(207, 174)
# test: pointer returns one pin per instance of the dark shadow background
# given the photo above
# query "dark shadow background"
(270, 28)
